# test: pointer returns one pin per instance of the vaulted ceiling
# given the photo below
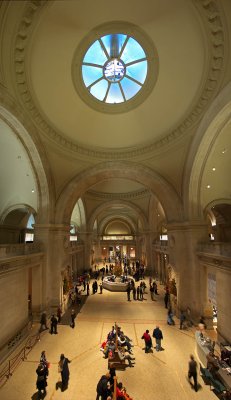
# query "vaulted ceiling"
(39, 41)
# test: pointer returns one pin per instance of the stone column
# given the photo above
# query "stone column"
(36, 290)
(87, 238)
(149, 255)
(55, 240)
(183, 241)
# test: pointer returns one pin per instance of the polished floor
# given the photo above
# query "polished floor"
(158, 375)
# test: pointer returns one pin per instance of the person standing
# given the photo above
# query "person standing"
(182, 319)
(43, 321)
(134, 292)
(101, 288)
(138, 292)
(141, 292)
(64, 370)
(44, 362)
(73, 316)
(54, 323)
(128, 293)
(158, 335)
(192, 371)
(41, 382)
(59, 314)
(152, 292)
(147, 340)
(166, 299)
(102, 388)
(88, 288)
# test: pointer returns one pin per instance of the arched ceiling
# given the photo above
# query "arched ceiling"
(191, 42)
(17, 183)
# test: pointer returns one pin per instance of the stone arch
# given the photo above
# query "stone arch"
(109, 203)
(126, 221)
(27, 134)
(79, 214)
(119, 169)
(16, 207)
(210, 127)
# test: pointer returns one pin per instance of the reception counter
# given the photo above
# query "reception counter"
(203, 348)
(115, 286)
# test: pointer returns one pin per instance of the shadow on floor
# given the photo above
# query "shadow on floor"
(38, 396)
(66, 317)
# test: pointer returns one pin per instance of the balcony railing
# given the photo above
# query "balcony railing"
(221, 249)
(19, 249)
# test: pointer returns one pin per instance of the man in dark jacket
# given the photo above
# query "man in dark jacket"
(102, 387)
(54, 323)
(157, 334)
(192, 371)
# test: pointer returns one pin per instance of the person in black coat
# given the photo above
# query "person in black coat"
(102, 387)
(64, 370)
(73, 316)
(41, 382)
(54, 323)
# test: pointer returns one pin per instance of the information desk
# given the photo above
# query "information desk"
(203, 349)
(115, 284)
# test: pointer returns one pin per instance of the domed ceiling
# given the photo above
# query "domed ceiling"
(175, 31)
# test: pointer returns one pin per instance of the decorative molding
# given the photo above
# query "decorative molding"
(211, 15)
(19, 263)
(215, 261)
(130, 195)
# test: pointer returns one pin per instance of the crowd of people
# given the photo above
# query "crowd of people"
(116, 341)
(42, 372)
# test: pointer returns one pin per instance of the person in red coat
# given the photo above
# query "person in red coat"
(147, 340)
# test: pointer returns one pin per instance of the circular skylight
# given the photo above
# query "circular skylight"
(115, 67)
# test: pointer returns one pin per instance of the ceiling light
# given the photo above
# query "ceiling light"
(214, 169)
(224, 151)
(32, 190)
(208, 186)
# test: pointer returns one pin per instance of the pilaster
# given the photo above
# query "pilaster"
(183, 240)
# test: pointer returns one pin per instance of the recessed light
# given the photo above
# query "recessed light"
(208, 186)
(32, 190)
(224, 151)
(214, 169)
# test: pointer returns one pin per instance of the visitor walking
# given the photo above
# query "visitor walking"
(147, 340)
(192, 371)
(158, 335)
(64, 371)
(43, 321)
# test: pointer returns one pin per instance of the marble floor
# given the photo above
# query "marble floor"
(158, 375)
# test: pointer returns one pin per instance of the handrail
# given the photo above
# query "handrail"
(13, 363)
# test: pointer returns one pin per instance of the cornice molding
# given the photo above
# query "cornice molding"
(116, 196)
(220, 263)
(211, 15)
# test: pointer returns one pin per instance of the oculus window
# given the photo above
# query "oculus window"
(115, 67)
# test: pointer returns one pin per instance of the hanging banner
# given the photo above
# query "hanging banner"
(212, 289)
